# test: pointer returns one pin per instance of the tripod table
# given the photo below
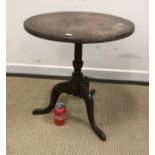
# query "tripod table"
(78, 28)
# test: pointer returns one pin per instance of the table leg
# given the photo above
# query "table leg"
(64, 87)
(88, 97)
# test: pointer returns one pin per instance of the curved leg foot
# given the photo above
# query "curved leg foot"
(87, 96)
(64, 87)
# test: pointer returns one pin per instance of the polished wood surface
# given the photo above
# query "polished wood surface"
(79, 27)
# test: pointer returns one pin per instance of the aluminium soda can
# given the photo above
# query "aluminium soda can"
(59, 114)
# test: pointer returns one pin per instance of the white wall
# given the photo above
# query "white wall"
(125, 59)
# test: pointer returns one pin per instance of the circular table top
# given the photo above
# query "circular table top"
(79, 27)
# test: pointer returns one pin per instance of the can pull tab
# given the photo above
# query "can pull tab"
(59, 105)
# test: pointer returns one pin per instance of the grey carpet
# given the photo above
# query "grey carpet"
(121, 111)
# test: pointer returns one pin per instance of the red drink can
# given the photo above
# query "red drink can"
(59, 114)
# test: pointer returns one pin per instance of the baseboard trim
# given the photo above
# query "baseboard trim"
(64, 72)
(68, 78)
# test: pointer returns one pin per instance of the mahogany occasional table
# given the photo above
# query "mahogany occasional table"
(78, 28)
